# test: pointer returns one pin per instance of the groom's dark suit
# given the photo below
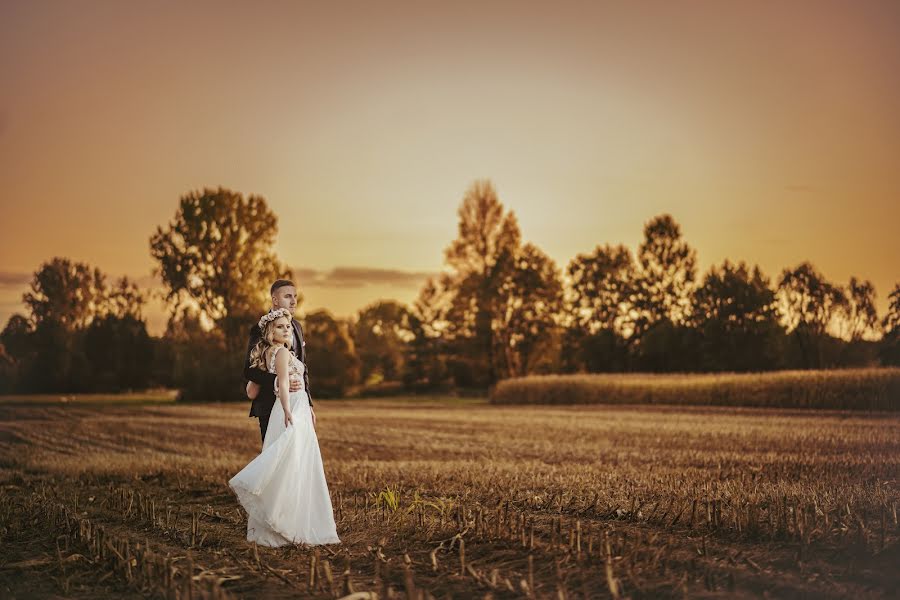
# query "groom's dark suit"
(265, 400)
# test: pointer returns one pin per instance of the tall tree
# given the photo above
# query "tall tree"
(16, 337)
(806, 299)
(600, 287)
(67, 301)
(599, 311)
(120, 353)
(126, 300)
(217, 253)
(891, 321)
(809, 305)
(427, 354)
(859, 312)
(381, 333)
(333, 364)
(16, 348)
(890, 343)
(734, 295)
(529, 307)
(193, 356)
(68, 294)
(665, 278)
(735, 310)
(480, 259)
(116, 343)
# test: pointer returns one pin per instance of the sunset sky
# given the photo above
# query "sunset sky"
(770, 131)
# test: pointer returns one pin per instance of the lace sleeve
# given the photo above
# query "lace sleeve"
(272, 359)
(272, 368)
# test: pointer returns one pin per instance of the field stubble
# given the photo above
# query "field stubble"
(442, 499)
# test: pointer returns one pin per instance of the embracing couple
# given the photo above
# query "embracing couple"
(283, 489)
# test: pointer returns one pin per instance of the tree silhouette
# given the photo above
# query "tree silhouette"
(193, 356)
(380, 335)
(428, 352)
(67, 294)
(120, 353)
(666, 347)
(480, 259)
(16, 336)
(735, 310)
(77, 330)
(16, 351)
(891, 321)
(333, 365)
(665, 277)
(890, 343)
(600, 288)
(528, 310)
(807, 299)
(9, 374)
(126, 300)
(809, 305)
(217, 254)
(859, 311)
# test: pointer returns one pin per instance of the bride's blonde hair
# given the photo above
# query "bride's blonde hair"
(266, 338)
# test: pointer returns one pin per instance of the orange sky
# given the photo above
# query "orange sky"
(771, 134)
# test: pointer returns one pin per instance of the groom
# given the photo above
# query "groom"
(284, 295)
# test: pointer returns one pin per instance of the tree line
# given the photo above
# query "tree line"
(499, 308)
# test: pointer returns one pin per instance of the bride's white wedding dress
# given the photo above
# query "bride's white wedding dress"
(283, 489)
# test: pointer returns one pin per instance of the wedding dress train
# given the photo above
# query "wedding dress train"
(283, 489)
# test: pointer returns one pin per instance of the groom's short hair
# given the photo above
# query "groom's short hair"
(280, 284)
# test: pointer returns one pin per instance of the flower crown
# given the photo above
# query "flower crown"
(271, 316)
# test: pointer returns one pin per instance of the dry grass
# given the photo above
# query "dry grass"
(850, 389)
(145, 397)
(447, 499)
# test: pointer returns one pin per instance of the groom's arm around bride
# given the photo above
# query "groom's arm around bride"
(264, 400)
(264, 379)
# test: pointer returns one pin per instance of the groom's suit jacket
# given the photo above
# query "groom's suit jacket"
(265, 400)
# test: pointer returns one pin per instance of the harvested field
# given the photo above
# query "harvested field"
(440, 497)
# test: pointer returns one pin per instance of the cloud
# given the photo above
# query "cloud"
(339, 277)
(11, 305)
(357, 277)
(305, 275)
(10, 279)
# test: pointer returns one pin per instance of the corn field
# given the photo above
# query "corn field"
(849, 389)
(440, 498)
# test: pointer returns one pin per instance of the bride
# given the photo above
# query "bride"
(283, 489)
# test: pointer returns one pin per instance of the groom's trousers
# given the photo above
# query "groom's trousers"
(263, 425)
